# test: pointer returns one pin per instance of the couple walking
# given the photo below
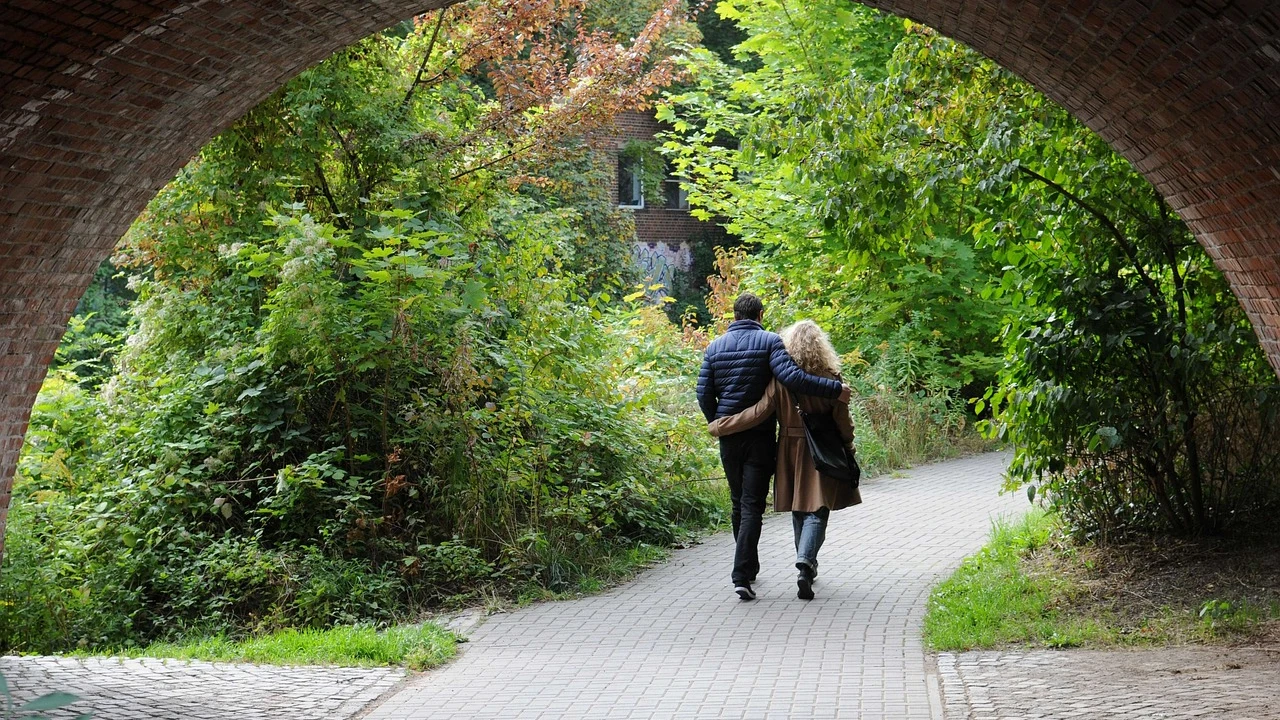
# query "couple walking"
(751, 382)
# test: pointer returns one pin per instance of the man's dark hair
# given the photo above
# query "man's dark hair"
(747, 307)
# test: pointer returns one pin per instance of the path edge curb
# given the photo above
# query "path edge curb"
(933, 681)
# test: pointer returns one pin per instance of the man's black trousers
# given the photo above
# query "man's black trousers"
(748, 459)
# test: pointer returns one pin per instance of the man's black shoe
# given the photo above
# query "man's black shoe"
(805, 585)
(744, 591)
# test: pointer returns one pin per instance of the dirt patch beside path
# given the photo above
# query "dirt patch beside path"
(1215, 590)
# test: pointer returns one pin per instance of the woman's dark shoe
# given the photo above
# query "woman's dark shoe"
(805, 585)
(744, 591)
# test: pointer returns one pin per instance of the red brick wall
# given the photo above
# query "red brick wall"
(634, 126)
(653, 224)
(101, 101)
(670, 225)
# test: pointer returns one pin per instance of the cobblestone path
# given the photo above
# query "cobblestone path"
(1164, 684)
(148, 689)
(676, 643)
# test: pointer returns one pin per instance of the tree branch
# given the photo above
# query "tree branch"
(320, 177)
(494, 161)
(804, 47)
(1129, 250)
(364, 189)
(328, 194)
(422, 67)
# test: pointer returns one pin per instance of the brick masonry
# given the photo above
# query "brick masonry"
(655, 224)
(101, 101)
(665, 234)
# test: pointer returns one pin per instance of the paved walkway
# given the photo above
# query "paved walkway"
(148, 689)
(676, 643)
(1166, 683)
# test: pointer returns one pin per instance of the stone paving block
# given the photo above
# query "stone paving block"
(1167, 683)
(152, 689)
(675, 642)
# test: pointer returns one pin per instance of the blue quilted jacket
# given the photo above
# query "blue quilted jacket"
(738, 366)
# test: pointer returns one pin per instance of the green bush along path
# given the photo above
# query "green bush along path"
(369, 369)
(675, 642)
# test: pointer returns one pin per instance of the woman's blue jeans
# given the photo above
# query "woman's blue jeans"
(810, 530)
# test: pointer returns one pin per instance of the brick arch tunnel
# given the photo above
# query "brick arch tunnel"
(102, 101)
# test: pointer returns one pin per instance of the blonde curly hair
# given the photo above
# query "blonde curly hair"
(811, 348)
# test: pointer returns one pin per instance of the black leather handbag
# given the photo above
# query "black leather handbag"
(827, 448)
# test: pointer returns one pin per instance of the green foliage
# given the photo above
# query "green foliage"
(1134, 391)
(721, 35)
(990, 601)
(796, 154)
(689, 287)
(928, 208)
(97, 327)
(600, 234)
(356, 384)
(853, 227)
(419, 647)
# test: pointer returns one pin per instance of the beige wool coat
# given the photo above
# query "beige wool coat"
(798, 486)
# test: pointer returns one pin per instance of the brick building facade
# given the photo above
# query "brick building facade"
(665, 233)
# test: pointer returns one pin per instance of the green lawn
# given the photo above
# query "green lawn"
(990, 601)
(418, 647)
(1031, 587)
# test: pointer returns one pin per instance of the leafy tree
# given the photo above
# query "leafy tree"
(376, 359)
(854, 229)
(1133, 387)
(935, 202)
(97, 327)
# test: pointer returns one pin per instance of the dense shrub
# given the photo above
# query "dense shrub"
(1141, 401)
(379, 430)
(928, 208)
(370, 368)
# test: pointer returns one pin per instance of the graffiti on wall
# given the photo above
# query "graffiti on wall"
(659, 261)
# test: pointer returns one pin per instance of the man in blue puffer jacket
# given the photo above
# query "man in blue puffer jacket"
(736, 369)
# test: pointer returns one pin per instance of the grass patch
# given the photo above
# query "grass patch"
(992, 601)
(1030, 586)
(419, 647)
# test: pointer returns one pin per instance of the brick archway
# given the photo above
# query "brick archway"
(102, 101)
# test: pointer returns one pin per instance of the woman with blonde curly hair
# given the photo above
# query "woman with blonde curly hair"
(799, 487)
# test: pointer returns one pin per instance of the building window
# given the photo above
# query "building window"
(630, 188)
(677, 198)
